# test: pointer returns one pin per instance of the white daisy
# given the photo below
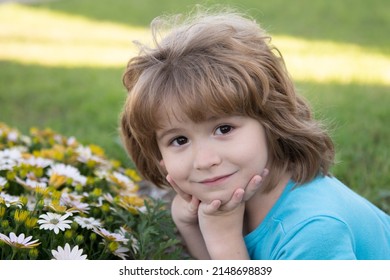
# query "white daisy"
(10, 199)
(69, 172)
(133, 241)
(19, 241)
(67, 253)
(71, 141)
(121, 180)
(120, 252)
(110, 235)
(85, 154)
(10, 158)
(134, 244)
(73, 201)
(89, 223)
(25, 139)
(31, 184)
(55, 222)
(13, 136)
(38, 161)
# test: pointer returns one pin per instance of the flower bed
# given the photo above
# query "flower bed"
(60, 199)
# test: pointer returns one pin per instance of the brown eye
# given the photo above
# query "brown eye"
(179, 141)
(223, 129)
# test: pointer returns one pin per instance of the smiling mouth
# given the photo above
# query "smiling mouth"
(216, 180)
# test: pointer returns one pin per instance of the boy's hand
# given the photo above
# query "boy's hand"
(222, 224)
(207, 228)
(235, 207)
(240, 195)
(184, 206)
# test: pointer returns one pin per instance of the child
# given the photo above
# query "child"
(212, 112)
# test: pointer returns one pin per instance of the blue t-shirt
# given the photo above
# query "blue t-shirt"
(321, 220)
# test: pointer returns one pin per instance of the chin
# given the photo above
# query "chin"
(223, 198)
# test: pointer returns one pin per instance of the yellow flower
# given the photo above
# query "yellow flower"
(42, 191)
(131, 203)
(31, 222)
(115, 163)
(21, 215)
(57, 180)
(57, 153)
(97, 192)
(96, 150)
(91, 163)
(56, 195)
(23, 200)
(58, 208)
(105, 208)
(123, 181)
(113, 246)
(38, 171)
(133, 175)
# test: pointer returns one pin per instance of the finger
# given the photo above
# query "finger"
(210, 208)
(235, 200)
(194, 204)
(264, 173)
(252, 187)
(255, 184)
(177, 189)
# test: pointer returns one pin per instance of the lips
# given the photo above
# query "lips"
(216, 180)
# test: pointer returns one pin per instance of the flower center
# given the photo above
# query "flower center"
(54, 221)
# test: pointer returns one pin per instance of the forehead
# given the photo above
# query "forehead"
(173, 115)
(182, 110)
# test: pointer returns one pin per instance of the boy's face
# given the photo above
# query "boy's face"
(211, 159)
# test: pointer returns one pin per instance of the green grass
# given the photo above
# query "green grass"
(358, 116)
(61, 64)
(359, 22)
(80, 102)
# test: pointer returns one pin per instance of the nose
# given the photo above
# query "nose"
(206, 156)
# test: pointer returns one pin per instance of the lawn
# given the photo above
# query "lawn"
(61, 64)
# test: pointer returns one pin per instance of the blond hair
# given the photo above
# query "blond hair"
(221, 64)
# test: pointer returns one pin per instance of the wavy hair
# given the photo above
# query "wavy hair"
(220, 64)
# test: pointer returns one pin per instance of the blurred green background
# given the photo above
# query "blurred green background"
(61, 64)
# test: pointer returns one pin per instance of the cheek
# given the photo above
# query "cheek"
(174, 167)
(253, 156)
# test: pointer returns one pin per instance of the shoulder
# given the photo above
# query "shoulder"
(318, 237)
(299, 203)
(323, 219)
(322, 197)
(332, 220)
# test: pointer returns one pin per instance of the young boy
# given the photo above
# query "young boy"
(212, 112)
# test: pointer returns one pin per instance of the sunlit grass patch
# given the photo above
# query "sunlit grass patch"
(39, 36)
(45, 37)
(326, 61)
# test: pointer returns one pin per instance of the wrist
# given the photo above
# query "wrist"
(228, 246)
(185, 221)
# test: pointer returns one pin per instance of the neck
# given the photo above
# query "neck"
(261, 203)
